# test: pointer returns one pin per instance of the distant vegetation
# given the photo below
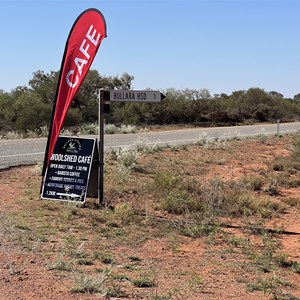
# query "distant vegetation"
(28, 108)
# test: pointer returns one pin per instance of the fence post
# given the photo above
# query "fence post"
(278, 123)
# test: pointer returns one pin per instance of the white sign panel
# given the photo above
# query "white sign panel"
(135, 96)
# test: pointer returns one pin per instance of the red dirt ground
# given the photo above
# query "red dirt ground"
(218, 270)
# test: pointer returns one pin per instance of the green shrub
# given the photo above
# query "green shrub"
(212, 198)
(89, 284)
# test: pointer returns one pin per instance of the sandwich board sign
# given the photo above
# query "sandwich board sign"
(67, 176)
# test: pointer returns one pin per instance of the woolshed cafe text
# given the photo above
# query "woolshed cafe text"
(72, 158)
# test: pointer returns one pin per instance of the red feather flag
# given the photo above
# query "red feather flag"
(83, 42)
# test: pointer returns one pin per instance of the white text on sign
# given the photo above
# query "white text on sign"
(80, 62)
(134, 96)
(71, 158)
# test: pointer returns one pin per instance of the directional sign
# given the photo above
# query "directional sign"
(67, 176)
(133, 96)
(118, 96)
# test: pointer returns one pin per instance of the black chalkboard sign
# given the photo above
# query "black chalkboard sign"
(68, 173)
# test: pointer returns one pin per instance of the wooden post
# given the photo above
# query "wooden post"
(101, 149)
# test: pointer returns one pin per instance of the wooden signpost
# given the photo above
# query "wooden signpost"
(118, 96)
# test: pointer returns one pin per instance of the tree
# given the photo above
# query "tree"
(10, 108)
(297, 97)
(224, 96)
(7, 113)
(34, 116)
(275, 94)
(86, 99)
(122, 82)
(44, 85)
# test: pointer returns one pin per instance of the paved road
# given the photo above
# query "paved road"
(31, 151)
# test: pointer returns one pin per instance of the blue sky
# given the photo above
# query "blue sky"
(219, 45)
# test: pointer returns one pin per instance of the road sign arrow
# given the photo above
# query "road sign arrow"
(73, 195)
